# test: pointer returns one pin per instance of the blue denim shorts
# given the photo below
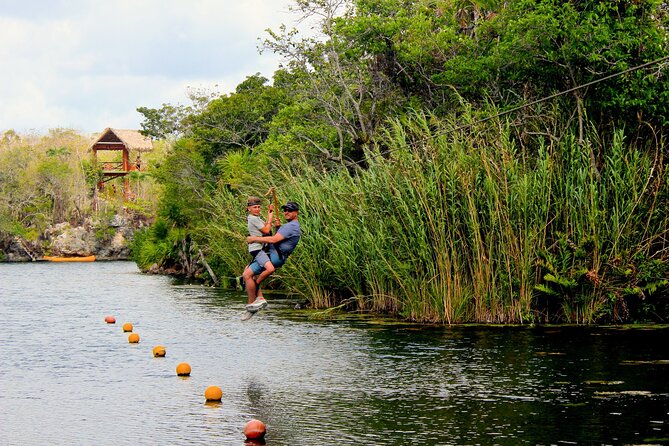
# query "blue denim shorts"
(258, 264)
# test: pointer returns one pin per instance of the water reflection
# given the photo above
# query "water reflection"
(69, 378)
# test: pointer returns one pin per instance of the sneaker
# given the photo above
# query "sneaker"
(257, 305)
(240, 284)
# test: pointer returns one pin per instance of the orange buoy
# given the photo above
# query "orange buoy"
(255, 429)
(183, 369)
(133, 338)
(213, 393)
(127, 327)
(110, 319)
(159, 351)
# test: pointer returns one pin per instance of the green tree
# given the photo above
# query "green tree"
(516, 51)
(163, 122)
(185, 182)
(336, 84)
(236, 121)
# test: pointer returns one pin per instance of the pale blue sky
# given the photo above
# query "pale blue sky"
(88, 64)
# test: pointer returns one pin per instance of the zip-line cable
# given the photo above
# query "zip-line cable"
(529, 104)
(570, 90)
(519, 107)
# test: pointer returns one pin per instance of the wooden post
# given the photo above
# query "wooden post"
(126, 161)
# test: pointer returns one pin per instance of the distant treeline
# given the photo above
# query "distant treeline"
(421, 196)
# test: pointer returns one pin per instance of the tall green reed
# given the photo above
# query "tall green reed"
(425, 233)
(471, 226)
(602, 229)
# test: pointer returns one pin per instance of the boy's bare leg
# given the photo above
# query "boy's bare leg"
(253, 282)
(251, 288)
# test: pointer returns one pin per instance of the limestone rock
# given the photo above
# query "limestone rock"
(108, 240)
(73, 241)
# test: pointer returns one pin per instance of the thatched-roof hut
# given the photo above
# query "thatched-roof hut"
(130, 143)
(113, 139)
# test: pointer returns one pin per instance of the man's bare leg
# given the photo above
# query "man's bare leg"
(269, 269)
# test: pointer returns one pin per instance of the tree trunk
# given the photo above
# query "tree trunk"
(209, 270)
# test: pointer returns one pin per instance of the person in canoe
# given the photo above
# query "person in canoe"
(281, 245)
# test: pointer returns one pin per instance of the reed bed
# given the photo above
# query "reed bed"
(463, 226)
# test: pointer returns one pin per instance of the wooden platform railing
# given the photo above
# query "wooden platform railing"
(112, 167)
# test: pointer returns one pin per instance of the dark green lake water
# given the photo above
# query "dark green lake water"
(67, 377)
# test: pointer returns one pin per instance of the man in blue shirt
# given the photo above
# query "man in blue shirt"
(281, 245)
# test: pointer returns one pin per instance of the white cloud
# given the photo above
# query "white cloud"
(88, 65)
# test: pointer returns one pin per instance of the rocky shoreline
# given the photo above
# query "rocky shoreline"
(106, 240)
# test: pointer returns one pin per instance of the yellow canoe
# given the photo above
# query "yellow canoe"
(70, 259)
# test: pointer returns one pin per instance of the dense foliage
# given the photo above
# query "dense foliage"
(41, 181)
(422, 197)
